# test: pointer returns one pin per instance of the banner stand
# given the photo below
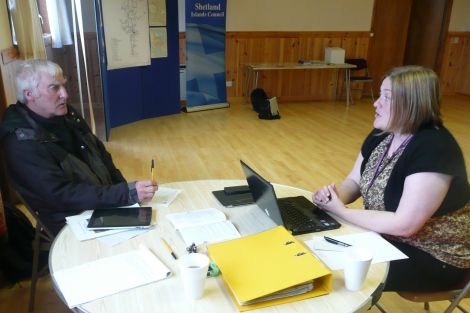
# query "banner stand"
(189, 109)
(205, 55)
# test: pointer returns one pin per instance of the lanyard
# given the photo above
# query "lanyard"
(382, 157)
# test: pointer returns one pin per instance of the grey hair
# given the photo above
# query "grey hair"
(28, 74)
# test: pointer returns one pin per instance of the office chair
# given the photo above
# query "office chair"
(42, 243)
(361, 67)
(454, 296)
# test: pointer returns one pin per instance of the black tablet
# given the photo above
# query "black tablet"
(112, 218)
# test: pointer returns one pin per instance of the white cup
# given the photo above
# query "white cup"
(193, 269)
(356, 265)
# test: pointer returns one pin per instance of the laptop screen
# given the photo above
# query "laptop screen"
(263, 194)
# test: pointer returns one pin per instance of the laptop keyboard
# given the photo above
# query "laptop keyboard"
(293, 216)
(299, 222)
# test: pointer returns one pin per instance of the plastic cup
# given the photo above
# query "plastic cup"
(193, 269)
(356, 265)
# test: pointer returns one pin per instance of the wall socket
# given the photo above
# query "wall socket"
(228, 83)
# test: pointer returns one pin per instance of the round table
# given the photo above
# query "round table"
(167, 295)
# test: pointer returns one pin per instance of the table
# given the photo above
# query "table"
(167, 295)
(254, 69)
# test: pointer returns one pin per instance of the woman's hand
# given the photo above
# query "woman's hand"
(322, 196)
(327, 199)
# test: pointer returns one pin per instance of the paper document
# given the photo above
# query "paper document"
(331, 254)
(164, 195)
(107, 276)
(206, 225)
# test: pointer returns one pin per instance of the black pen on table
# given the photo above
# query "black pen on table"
(336, 242)
(169, 248)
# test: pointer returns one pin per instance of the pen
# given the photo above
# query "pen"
(152, 170)
(169, 248)
(336, 242)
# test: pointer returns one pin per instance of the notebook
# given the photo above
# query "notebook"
(297, 214)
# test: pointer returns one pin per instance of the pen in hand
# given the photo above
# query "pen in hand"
(169, 248)
(152, 170)
(336, 242)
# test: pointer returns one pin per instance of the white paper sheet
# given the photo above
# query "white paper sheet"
(164, 195)
(331, 254)
(98, 279)
(115, 239)
(205, 225)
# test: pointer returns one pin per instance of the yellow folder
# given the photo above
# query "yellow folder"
(265, 263)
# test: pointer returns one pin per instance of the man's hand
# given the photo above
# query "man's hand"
(146, 190)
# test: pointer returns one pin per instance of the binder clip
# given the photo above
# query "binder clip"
(192, 248)
(213, 270)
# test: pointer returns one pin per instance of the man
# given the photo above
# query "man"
(53, 160)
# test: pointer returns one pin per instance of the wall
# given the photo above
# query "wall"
(455, 65)
(5, 35)
(299, 15)
(460, 18)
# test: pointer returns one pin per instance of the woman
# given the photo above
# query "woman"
(411, 175)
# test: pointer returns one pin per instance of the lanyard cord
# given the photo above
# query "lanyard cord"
(377, 165)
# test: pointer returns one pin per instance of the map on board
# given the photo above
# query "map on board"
(158, 42)
(126, 33)
(157, 12)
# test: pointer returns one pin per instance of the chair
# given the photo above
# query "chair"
(454, 296)
(361, 67)
(42, 242)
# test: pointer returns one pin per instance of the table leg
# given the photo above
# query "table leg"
(336, 84)
(348, 85)
(247, 82)
(255, 85)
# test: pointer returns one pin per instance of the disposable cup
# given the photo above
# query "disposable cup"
(356, 265)
(193, 269)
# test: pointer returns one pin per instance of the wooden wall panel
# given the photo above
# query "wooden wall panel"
(455, 69)
(284, 47)
(287, 47)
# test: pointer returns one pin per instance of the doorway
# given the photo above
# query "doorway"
(407, 32)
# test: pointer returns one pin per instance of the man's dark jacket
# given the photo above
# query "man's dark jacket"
(53, 181)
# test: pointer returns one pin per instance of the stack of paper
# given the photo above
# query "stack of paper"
(269, 268)
(206, 225)
(107, 276)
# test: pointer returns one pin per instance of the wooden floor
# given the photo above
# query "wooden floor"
(311, 145)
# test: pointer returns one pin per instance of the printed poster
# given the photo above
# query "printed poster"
(126, 30)
(205, 55)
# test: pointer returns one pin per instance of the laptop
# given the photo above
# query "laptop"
(296, 214)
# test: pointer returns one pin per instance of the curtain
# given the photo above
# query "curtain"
(28, 29)
(59, 23)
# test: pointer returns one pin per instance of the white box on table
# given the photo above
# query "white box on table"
(334, 55)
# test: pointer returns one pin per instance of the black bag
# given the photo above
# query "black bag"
(262, 105)
(16, 254)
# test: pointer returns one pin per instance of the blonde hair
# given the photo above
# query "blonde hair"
(28, 74)
(416, 99)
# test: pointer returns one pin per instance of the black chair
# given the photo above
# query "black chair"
(360, 74)
(41, 244)
(454, 296)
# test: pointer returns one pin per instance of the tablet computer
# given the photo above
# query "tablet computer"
(114, 218)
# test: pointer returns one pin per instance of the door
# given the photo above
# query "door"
(390, 21)
(429, 21)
